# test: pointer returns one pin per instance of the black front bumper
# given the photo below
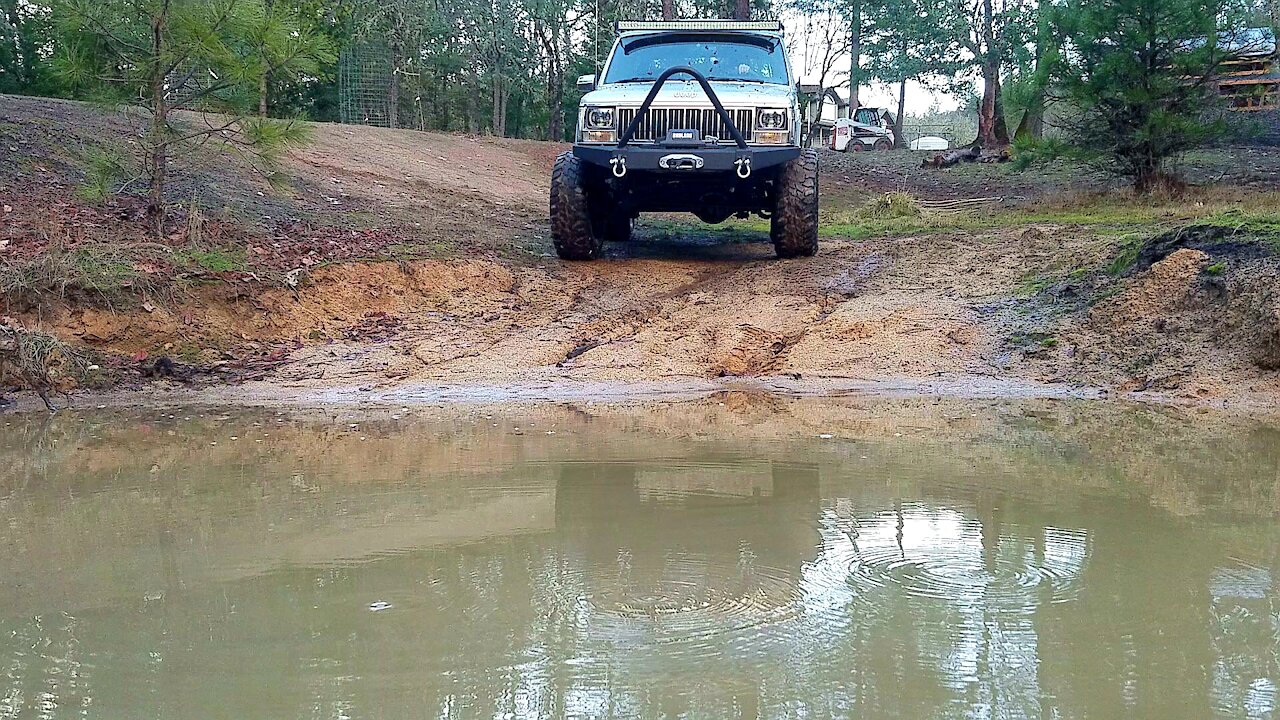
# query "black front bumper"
(677, 160)
(686, 155)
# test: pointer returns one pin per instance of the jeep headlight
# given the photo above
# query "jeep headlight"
(771, 119)
(599, 118)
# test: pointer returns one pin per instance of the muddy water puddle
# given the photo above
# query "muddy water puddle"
(742, 556)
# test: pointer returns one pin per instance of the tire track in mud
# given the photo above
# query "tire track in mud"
(741, 321)
(845, 313)
(627, 321)
(624, 324)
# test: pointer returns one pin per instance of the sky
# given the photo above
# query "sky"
(919, 98)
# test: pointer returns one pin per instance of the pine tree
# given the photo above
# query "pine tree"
(206, 56)
(1140, 73)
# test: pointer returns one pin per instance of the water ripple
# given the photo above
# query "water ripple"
(940, 555)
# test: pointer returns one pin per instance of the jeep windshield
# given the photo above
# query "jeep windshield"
(725, 58)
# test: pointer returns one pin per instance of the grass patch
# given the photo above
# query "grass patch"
(362, 219)
(1217, 268)
(434, 250)
(1129, 250)
(103, 170)
(890, 206)
(214, 260)
(1034, 285)
(854, 227)
(1102, 219)
(99, 269)
(1040, 153)
(1033, 339)
(1261, 225)
(666, 228)
(1119, 214)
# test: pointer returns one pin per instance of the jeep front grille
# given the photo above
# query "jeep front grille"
(658, 121)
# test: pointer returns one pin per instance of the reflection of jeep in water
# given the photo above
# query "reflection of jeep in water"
(688, 116)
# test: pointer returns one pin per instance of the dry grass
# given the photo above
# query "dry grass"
(38, 361)
(92, 269)
(891, 205)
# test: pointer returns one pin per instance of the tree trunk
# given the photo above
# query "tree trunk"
(393, 88)
(1148, 175)
(1001, 124)
(502, 109)
(441, 104)
(1031, 127)
(855, 55)
(993, 131)
(496, 126)
(159, 133)
(668, 10)
(265, 81)
(898, 139)
(472, 107)
(555, 105)
(742, 10)
(1035, 118)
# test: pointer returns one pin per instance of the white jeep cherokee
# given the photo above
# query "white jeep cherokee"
(697, 116)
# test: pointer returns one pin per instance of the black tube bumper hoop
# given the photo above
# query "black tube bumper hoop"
(660, 157)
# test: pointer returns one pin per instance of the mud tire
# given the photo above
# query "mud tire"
(882, 145)
(571, 230)
(794, 226)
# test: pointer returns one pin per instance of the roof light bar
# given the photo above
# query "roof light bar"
(697, 25)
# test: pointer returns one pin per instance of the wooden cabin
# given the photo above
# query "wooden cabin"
(1251, 82)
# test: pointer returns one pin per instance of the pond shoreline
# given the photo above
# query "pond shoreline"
(419, 395)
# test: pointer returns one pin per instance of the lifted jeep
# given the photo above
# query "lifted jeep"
(689, 116)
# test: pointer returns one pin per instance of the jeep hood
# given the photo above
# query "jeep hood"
(686, 93)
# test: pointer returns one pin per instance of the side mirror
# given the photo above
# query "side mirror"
(586, 83)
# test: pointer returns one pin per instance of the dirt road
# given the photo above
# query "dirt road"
(675, 305)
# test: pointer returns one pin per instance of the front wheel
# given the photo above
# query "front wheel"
(794, 226)
(571, 230)
(883, 144)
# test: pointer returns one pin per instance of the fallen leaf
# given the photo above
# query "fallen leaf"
(8, 208)
(140, 356)
(148, 307)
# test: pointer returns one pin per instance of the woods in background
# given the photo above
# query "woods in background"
(1111, 70)
(507, 67)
